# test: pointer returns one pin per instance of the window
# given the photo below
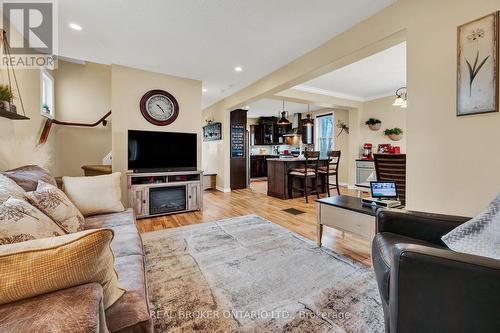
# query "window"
(325, 133)
(47, 94)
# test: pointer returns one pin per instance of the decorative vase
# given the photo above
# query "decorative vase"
(375, 127)
(5, 105)
(395, 137)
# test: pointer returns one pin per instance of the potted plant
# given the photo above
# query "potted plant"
(374, 124)
(395, 134)
(6, 97)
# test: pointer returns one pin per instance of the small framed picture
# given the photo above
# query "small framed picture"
(212, 132)
(477, 61)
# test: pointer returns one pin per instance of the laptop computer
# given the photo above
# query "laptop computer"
(383, 190)
(383, 194)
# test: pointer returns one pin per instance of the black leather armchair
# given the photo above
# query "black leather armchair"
(426, 287)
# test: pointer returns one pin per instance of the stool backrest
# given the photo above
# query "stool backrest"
(333, 160)
(312, 160)
(392, 167)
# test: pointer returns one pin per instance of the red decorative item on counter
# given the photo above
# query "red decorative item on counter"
(367, 152)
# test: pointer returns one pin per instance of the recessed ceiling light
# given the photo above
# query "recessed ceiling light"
(75, 26)
(204, 89)
(247, 107)
(238, 69)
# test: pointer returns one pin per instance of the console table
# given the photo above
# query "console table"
(347, 214)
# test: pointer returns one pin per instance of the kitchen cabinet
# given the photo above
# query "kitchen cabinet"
(256, 135)
(267, 133)
(280, 131)
(258, 166)
(279, 182)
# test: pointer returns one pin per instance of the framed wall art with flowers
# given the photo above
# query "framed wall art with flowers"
(477, 80)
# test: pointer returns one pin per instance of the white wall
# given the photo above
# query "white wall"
(128, 85)
(83, 94)
(391, 116)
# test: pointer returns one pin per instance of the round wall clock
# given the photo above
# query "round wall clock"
(159, 107)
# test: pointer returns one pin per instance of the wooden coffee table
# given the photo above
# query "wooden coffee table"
(346, 214)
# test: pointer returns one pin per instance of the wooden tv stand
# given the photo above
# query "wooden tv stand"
(164, 193)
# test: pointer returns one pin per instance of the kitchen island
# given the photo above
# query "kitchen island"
(278, 180)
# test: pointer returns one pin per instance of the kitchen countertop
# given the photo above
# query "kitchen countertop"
(292, 159)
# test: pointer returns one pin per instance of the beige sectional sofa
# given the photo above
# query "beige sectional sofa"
(80, 308)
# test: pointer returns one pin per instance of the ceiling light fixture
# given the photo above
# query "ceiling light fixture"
(309, 121)
(204, 89)
(401, 98)
(283, 121)
(75, 26)
(238, 69)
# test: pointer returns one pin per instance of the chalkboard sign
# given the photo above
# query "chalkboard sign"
(237, 141)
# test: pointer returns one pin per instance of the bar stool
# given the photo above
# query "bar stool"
(331, 169)
(310, 171)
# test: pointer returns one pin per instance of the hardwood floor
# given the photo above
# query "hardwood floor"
(218, 205)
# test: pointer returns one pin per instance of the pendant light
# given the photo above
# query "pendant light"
(309, 121)
(283, 120)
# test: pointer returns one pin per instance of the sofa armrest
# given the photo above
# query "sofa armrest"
(76, 309)
(424, 226)
(438, 290)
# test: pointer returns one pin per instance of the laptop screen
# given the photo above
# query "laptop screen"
(383, 190)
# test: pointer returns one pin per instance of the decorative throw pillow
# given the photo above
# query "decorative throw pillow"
(480, 235)
(56, 205)
(95, 195)
(9, 188)
(44, 265)
(20, 221)
(28, 176)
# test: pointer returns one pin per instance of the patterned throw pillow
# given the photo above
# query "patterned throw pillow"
(480, 235)
(56, 205)
(41, 266)
(28, 176)
(9, 188)
(20, 221)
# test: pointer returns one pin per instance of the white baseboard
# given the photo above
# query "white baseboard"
(222, 189)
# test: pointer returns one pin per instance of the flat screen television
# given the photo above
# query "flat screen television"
(161, 151)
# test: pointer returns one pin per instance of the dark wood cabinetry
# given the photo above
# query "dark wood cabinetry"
(267, 133)
(238, 149)
(258, 166)
(256, 135)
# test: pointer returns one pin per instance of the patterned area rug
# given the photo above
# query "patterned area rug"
(247, 274)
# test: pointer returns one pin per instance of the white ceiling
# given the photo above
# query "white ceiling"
(373, 77)
(203, 39)
(272, 107)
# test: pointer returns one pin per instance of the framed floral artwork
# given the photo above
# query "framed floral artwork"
(477, 80)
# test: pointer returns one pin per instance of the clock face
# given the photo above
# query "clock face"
(159, 107)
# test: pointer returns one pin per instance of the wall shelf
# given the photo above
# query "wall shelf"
(12, 115)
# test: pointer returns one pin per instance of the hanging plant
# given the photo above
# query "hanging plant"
(374, 124)
(395, 134)
(6, 97)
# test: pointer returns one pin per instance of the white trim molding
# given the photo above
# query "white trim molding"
(319, 91)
